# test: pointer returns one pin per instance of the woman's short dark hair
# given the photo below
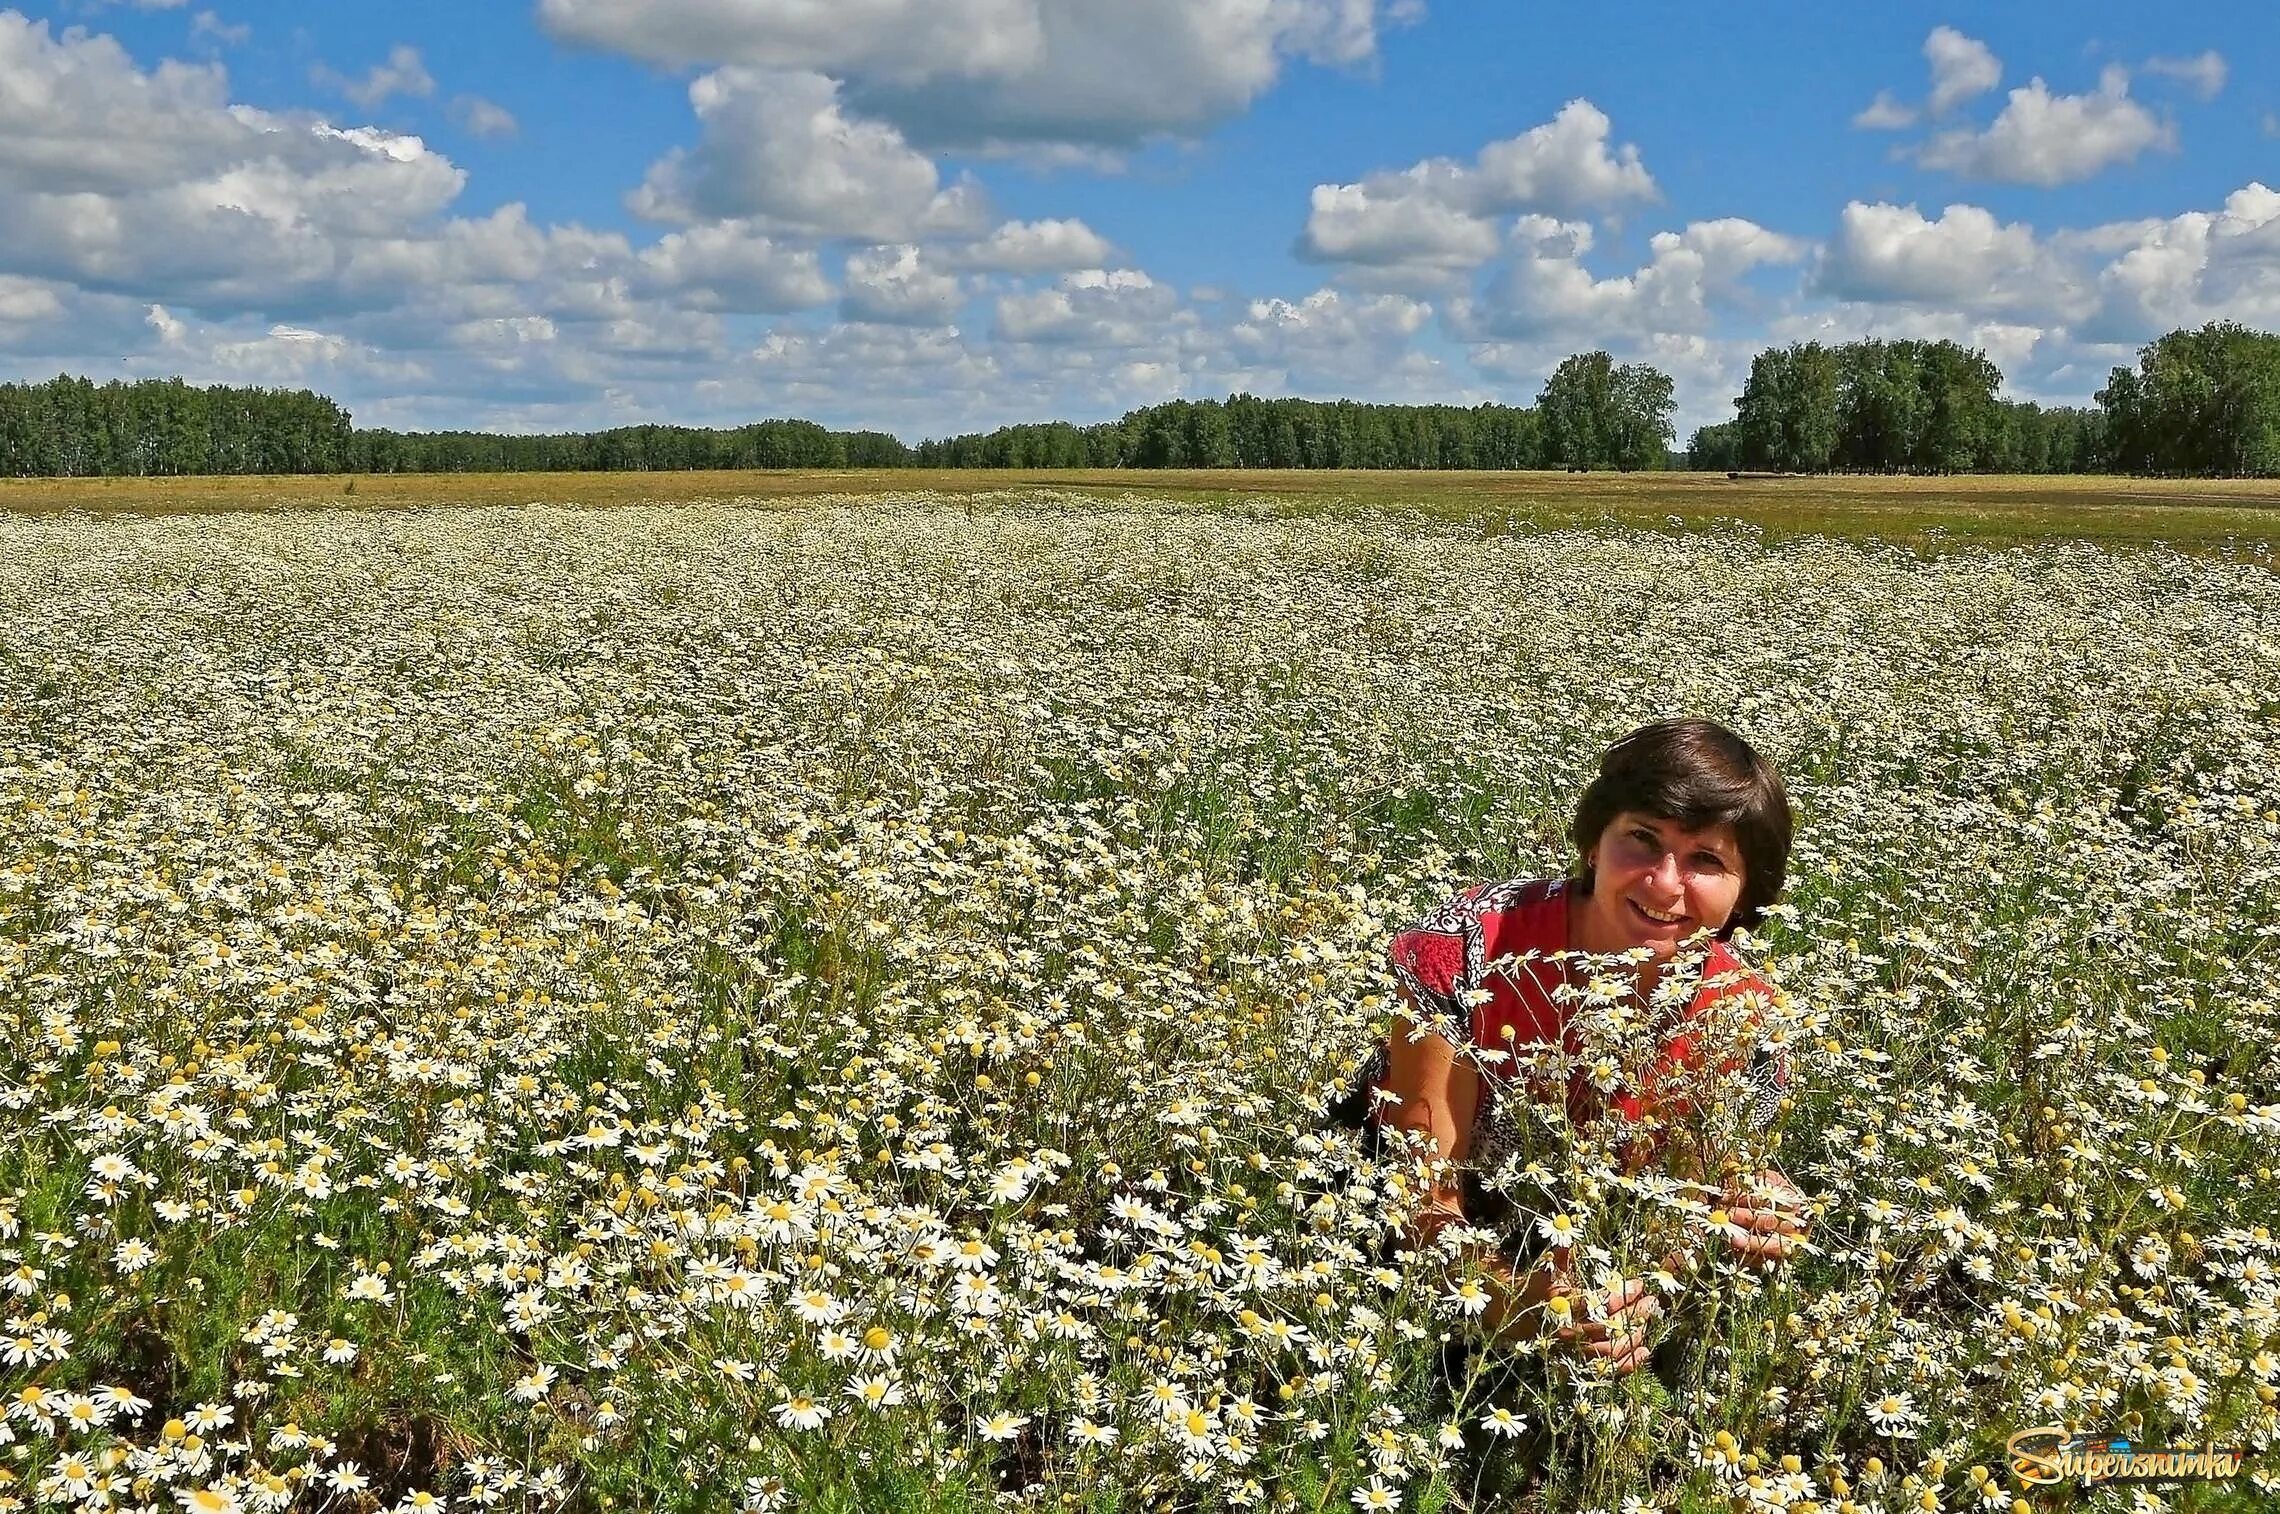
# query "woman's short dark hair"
(1696, 773)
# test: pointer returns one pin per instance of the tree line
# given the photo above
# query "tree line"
(763, 444)
(1592, 413)
(76, 428)
(2204, 401)
(1892, 407)
(2201, 402)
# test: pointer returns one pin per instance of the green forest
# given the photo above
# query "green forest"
(2203, 402)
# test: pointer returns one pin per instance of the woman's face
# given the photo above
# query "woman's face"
(1656, 883)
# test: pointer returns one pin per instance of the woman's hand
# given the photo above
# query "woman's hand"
(1618, 1337)
(1765, 1218)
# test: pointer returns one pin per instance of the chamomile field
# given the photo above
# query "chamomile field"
(826, 1003)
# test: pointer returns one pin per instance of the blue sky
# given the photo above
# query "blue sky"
(937, 215)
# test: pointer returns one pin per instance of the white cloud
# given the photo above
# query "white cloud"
(893, 286)
(1093, 308)
(171, 331)
(2015, 347)
(1405, 226)
(1561, 166)
(279, 353)
(23, 300)
(483, 118)
(1885, 114)
(780, 148)
(1962, 68)
(285, 349)
(261, 231)
(2189, 269)
(2055, 312)
(912, 380)
(76, 114)
(1330, 338)
(220, 241)
(2047, 139)
(402, 74)
(209, 27)
(1545, 291)
(888, 38)
(1046, 246)
(1966, 260)
(732, 266)
(1420, 226)
(2205, 74)
(1012, 74)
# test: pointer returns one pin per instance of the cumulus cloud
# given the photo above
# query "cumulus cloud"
(1436, 218)
(247, 233)
(1965, 260)
(23, 300)
(1330, 337)
(221, 241)
(1404, 228)
(1004, 74)
(402, 74)
(1092, 308)
(2204, 74)
(2188, 269)
(1544, 290)
(894, 286)
(279, 353)
(2015, 347)
(154, 184)
(2055, 312)
(780, 147)
(1962, 68)
(171, 331)
(732, 266)
(1046, 246)
(2047, 139)
(1885, 114)
(77, 115)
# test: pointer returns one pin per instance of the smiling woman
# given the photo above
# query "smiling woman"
(1684, 834)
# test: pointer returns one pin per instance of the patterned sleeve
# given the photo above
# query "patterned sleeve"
(1764, 1083)
(1431, 960)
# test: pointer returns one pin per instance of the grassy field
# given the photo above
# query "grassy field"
(695, 1007)
(2208, 516)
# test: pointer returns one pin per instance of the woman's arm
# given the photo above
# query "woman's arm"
(1437, 1096)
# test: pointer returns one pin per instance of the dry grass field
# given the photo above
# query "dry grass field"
(2216, 517)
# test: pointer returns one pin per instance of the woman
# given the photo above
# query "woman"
(1686, 830)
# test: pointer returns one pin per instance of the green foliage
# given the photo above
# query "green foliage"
(75, 428)
(1244, 431)
(1787, 415)
(1597, 414)
(763, 444)
(1894, 407)
(2201, 402)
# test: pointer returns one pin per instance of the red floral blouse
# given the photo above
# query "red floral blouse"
(1445, 956)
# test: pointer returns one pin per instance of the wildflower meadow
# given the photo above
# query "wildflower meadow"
(828, 1005)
